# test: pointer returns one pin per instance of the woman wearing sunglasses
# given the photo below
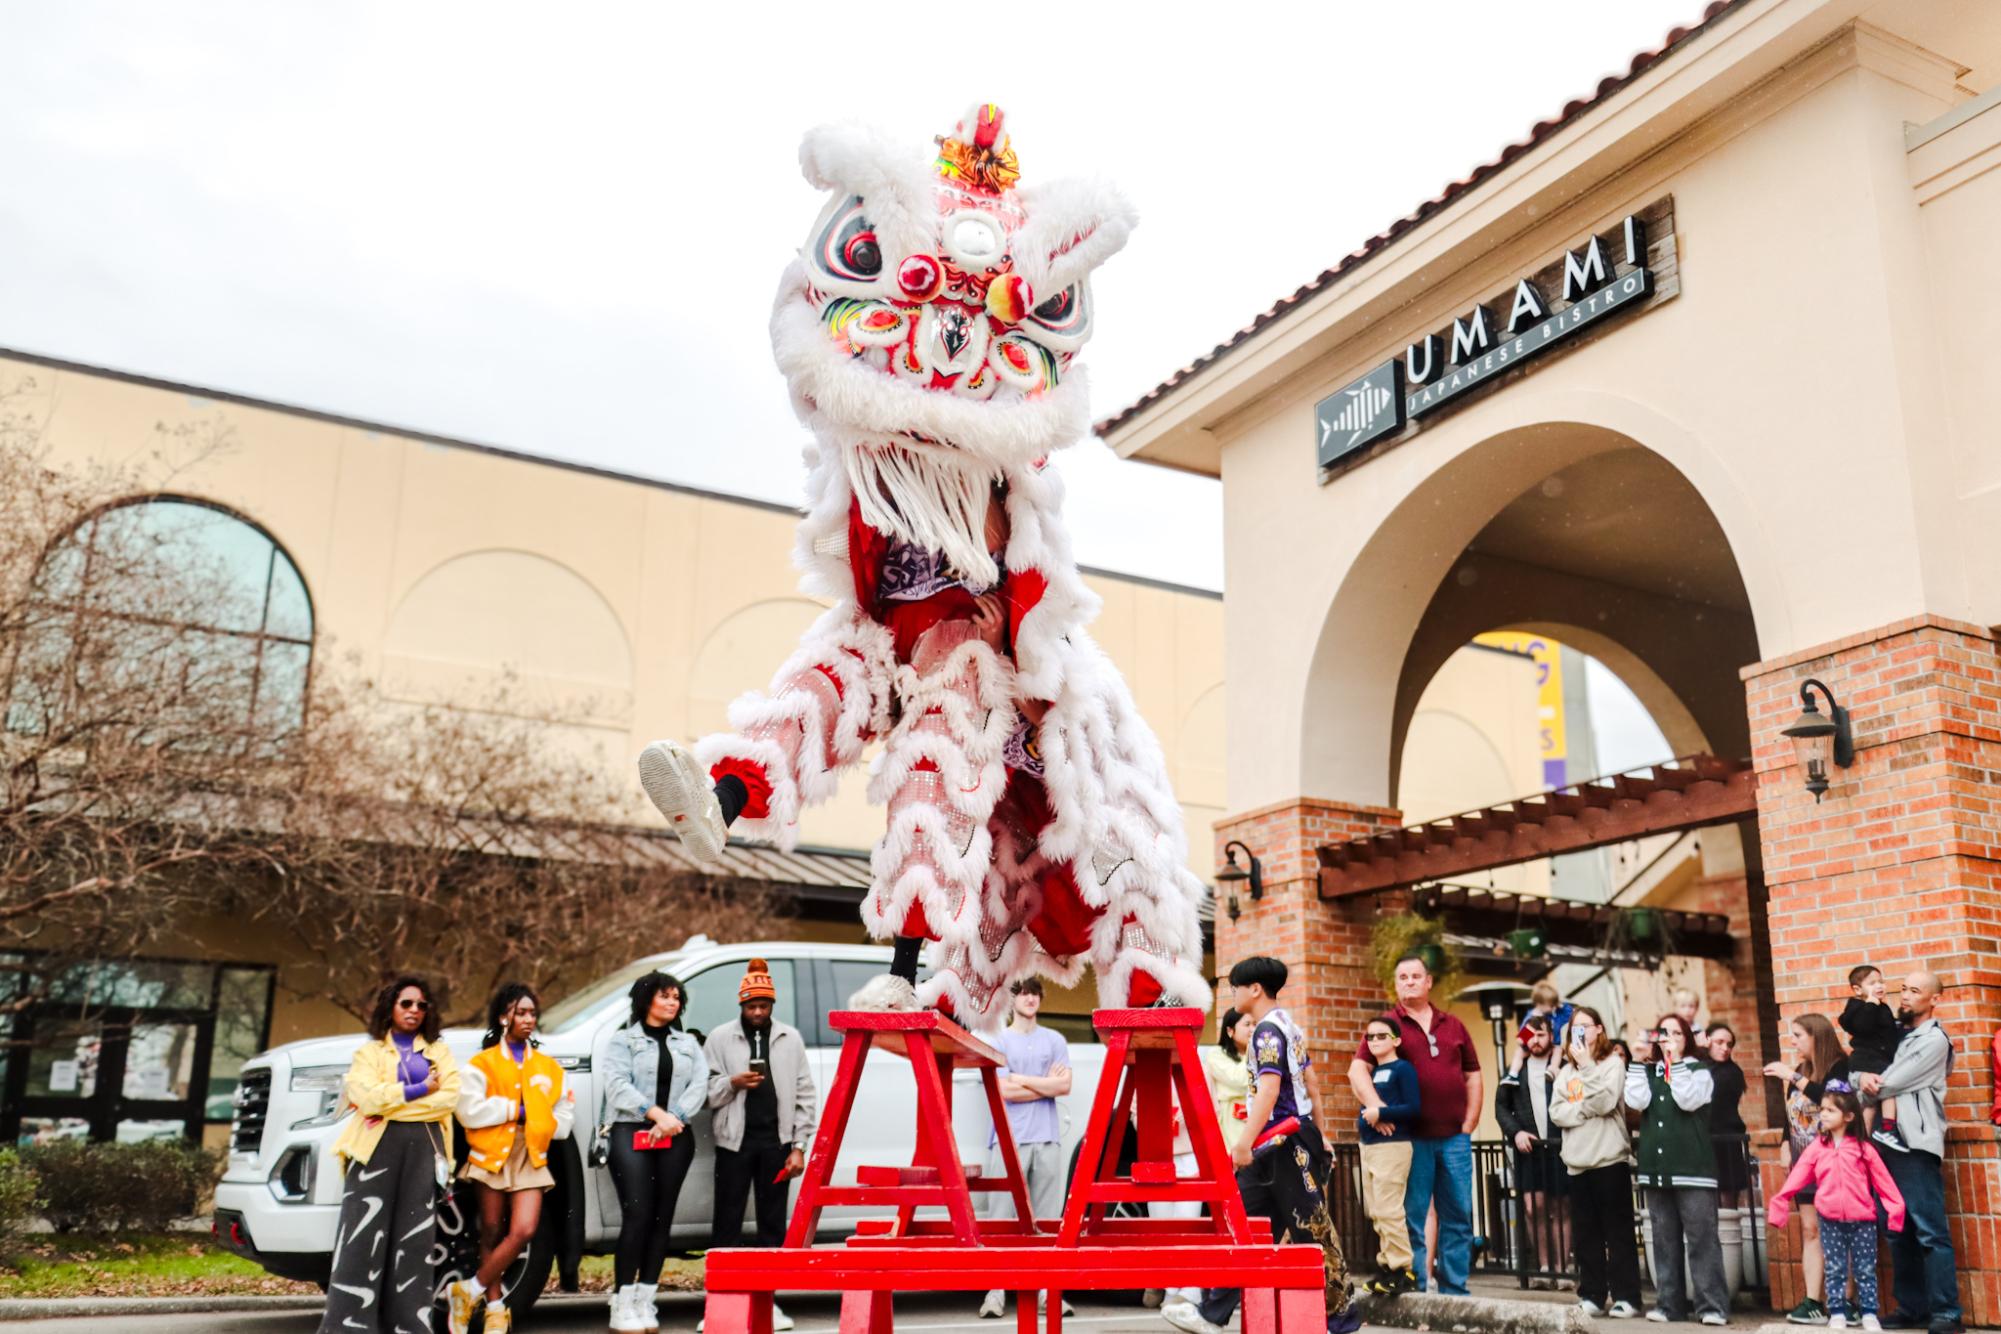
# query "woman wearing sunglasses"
(395, 1156)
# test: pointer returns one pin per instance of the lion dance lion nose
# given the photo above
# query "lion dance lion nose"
(921, 277)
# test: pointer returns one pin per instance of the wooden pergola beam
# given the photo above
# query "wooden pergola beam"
(1696, 792)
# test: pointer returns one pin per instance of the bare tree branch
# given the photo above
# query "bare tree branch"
(141, 786)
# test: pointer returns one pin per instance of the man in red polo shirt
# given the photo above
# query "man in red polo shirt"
(1449, 1102)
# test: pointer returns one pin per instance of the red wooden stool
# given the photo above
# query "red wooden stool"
(1147, 1054)
(935, 1047)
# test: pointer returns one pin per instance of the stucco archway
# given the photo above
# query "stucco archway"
(1398, 607)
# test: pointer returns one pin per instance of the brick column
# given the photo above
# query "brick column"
(1325, 945)
(1900, 867)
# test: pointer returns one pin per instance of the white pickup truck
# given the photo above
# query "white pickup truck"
(279, 1198)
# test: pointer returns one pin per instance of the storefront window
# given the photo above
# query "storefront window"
(63, 1062)
(242, 1029)
(177, 589)
(42, 1129)
(131, 1132)
(134, 1049)
(138, 984)
(159, 1062)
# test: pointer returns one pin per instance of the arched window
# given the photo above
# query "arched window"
(174, 603)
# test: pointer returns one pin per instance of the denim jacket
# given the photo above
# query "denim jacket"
(632, 1072)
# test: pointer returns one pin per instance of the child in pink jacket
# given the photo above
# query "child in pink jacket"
(1848, 1178)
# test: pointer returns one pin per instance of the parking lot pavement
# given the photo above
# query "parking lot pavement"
(815, 1313)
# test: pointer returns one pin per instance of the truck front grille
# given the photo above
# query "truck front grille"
(253, 1105)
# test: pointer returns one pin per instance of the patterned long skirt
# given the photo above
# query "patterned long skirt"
(382, 1264)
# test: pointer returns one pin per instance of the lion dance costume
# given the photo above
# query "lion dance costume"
(927, 333)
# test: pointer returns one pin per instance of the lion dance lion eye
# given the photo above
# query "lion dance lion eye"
(1056, 307)
(862, 255)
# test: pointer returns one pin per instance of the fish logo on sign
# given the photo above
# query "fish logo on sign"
(1365, 401)
(1361, 413)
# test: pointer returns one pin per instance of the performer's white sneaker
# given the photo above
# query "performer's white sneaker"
(885, 992)
(674, 781)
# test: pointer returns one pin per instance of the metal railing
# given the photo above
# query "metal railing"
(1533, 1244)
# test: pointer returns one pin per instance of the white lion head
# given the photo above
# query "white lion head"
(935, 305)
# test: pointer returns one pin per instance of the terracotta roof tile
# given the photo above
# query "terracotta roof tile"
(1453, 191)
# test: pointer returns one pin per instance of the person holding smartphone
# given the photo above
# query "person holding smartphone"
(762, 1097)
(1521, 1106)
(656, 1079)
(1587, 1102)
(1672, 1090)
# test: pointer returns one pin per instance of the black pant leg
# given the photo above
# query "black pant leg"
(733, 1173)
(1587, 1235)
(1254, 1183)
(670, 1170)
(1622, 1249)
(773, 1195)
(632, 1178)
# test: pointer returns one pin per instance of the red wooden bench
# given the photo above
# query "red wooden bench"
(1151, 1065)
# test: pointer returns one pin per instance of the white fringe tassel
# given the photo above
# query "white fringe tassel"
(929, 500)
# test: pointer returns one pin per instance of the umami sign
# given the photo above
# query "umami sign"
(1608, 275)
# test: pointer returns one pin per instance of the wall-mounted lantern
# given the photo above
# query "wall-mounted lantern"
(1229, 872)
(1819, 737)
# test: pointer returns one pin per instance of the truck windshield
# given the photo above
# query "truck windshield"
(575, 1009)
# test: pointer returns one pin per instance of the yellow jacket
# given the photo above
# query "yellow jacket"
(1230, 1086)
(491, 1098)
(376, 1094)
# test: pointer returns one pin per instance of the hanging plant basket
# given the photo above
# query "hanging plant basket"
(1399, 934)
(1527, 942)
(1643, 926)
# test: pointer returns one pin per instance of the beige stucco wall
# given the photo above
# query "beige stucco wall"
(1800, 381)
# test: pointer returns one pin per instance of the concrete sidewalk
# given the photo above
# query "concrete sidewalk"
(1502, 1306)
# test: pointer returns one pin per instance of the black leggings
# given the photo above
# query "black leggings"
(649, 1186)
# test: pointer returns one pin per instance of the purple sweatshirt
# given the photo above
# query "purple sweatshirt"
(412, 1067)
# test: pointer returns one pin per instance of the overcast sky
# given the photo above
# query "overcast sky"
(557, 228)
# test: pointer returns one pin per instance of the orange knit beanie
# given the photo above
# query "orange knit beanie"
(757, 983)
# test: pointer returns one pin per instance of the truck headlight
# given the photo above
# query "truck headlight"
(318, 1078)
(325, 1080)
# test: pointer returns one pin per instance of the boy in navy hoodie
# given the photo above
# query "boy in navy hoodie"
(1386, 1133)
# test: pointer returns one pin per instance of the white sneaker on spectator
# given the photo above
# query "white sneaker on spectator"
(1189, 1320)
(1715, 1318)
(1589, 1307)
(995, 1306)
(1837, 1321)
(1658, 1316)
(1623, 1311)
(1872, 1324)
(624, 1319)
